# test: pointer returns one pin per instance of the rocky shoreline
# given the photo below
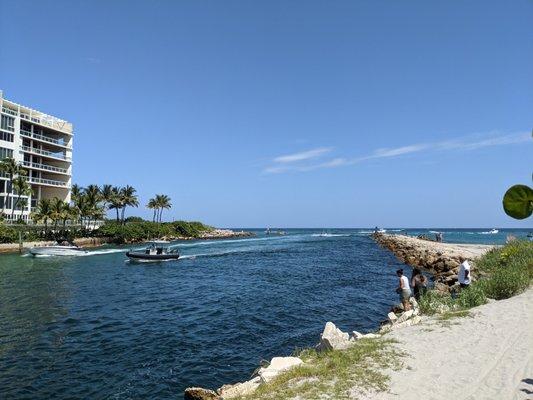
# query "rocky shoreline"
(437, 258)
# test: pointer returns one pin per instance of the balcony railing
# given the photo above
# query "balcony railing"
(9, 111)
(48, 182)
(45, 153)
(43, 138)
(45, 167)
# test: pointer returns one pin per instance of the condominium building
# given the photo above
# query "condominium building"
(42, 144)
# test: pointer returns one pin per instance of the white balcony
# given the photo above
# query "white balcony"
(57, 156)
(48, 182)
(43, 138)
(45, 167)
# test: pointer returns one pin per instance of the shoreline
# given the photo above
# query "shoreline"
(93, 242)
(441, 259)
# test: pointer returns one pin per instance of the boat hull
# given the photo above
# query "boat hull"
(57, 251)
(151, 257)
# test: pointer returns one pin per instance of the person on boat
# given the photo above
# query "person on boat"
(419, 283)
(403, 290)
(464, 277)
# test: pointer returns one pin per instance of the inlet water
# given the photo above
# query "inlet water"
(98, 327)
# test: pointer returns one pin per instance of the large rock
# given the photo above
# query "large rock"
(277, 366)
(196, 393)
(404, 317)
(239, 389)
(333, 339)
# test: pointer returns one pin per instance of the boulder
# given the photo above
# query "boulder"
(277, 366)
(413, 302)
(412, 321)
(404, 317)
(196, 393)
(392, 317)
(239, 389)
(333, 338)
(356, 335)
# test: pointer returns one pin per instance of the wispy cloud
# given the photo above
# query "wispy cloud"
(302, 156)
(296, 162)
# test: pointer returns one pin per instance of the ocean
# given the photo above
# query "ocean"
(100, 327)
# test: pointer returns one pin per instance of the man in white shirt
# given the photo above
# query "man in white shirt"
(464, 277)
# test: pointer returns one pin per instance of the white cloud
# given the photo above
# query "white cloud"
(467, 143)
(304, 155)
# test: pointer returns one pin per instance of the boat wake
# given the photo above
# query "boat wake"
(330, 234)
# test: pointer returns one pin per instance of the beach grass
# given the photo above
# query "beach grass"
(504, 272)
(334, 374)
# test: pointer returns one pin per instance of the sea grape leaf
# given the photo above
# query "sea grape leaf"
(518, 201)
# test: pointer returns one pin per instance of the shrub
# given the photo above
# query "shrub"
(472, 296)
(433, 302)
(8, 234)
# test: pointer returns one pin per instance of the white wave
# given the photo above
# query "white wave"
(100, 252)
(330, 234)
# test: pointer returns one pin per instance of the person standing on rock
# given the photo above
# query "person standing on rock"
(403, 290)
(464, 277)
(419, 283)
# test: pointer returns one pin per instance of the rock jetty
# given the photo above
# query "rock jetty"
(439, 259)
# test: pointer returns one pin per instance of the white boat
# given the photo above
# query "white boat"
(493, 231)
(59, 249)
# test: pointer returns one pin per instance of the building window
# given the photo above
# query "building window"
(7, 123)
(5, 153)
(6, 136)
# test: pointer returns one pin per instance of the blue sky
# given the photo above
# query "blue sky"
(287, 113)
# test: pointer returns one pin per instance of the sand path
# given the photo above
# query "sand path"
(488, 355)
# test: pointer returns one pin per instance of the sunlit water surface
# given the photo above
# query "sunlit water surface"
(99, 327)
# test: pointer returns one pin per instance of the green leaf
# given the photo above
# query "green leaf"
(518, 201)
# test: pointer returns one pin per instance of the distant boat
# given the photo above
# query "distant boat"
(158, 250)
(62, 248)
(493, 231)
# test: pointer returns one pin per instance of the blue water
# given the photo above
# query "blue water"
(98, 327)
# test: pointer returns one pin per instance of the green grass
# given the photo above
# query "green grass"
(503, 272)
(332, 375)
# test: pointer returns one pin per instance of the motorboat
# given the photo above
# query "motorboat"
(493, 231)
(62, 248)
(157, 250)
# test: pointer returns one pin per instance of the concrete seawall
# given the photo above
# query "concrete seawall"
(439, 259)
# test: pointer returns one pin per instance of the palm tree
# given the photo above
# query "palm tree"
(128, 198)
(75, 192)
(107, 194)
(22, 188)
(163, 202)
(58, 208)
(43, 213)
(11, 169)
(152, 205)
(115, 201)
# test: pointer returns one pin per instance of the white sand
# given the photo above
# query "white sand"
(486, 356)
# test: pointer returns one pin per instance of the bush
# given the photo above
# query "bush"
(8, 234)
(433, 302)
(509, 270)
(472, 296)
(142, 231)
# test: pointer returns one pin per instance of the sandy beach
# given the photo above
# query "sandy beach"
(487, 355)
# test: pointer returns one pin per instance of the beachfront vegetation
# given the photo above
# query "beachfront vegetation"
(503, 272)
(136, 231)
(336, 374)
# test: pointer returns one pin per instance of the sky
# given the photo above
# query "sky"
(287, 113)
